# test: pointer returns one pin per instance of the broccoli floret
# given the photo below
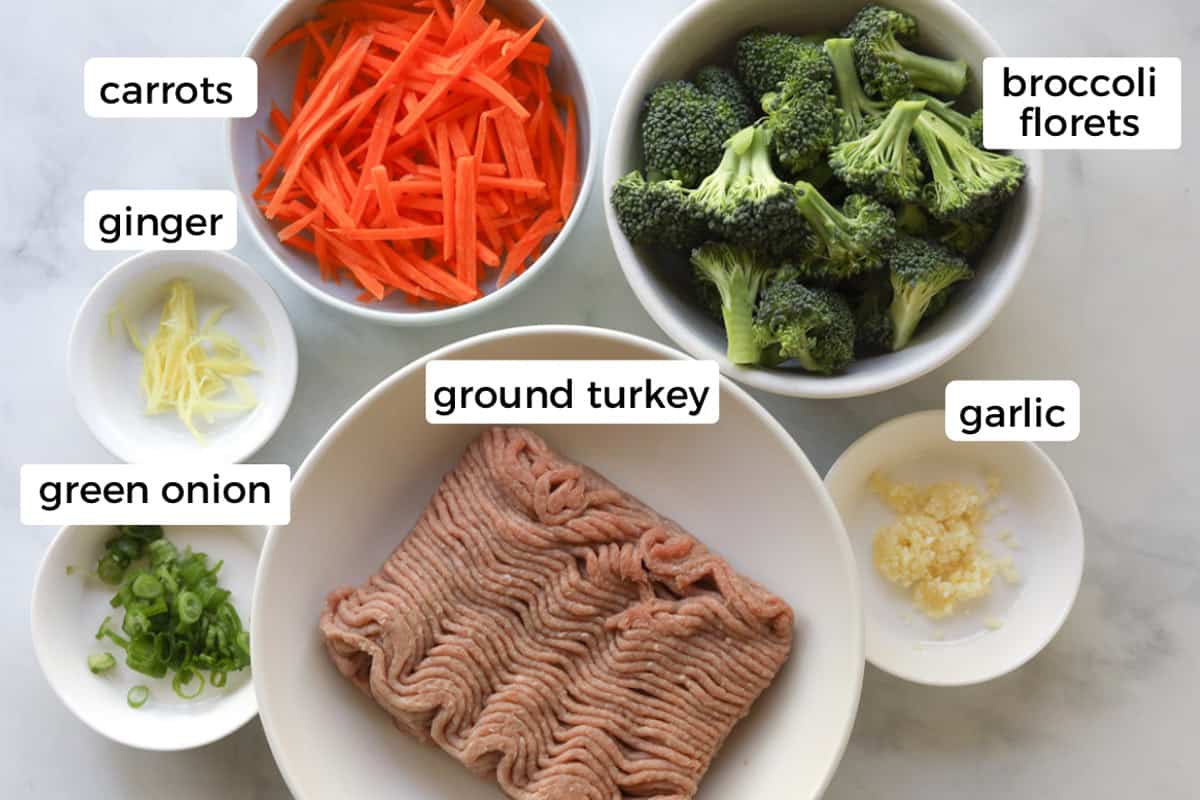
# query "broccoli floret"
(813, 326)
(802, 114)
(882, 162)
(969, 127)
(684, 132)
(872, 321)
(848, 242)
(968, 236)
(965, 179)
(856, 111)
(745, 202)
(738, 275)
(765, 59)
(920, 271)
(722, 83)
(891, 70)
(659, 212)
(911, 219)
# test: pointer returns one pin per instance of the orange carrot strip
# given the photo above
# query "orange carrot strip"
(570, 172)
(485, 82)
(511, 51)
(446, 169)
(458, 140)
(386, 234)
(541, 228)
(512, 184)
(383, 195)
(378, 140)
(299, 225)
(464, 223)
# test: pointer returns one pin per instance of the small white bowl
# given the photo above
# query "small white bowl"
(1035, 505)
(67, 610)
(706, 33)
(276, 76)
(104, 368)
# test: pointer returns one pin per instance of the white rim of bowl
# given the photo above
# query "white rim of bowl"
(259, 290)
(797, 384)
(436, 316)
(38, 648)
(1077, 579)
(276, 533)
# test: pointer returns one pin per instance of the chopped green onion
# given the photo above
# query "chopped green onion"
(146, 533)
(146, 587)
(182, 678)
(137, 696)
(70, 569)
(177, 618)
(101, 662)
(111, 570)
(189, 607)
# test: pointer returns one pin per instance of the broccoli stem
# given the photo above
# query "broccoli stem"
(823, 217)
(931, 73)
(855, 103)
(908, 307)
(890, 140)
(738, 313)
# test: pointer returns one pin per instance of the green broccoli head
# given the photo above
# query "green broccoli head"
(684, 131)
(659, 212)
(849, 241)
(891, 70)
(920, 271)
(883, 162)
(856, 110)
(738, 275)
(813, 326)
(968, 236)
(802, 113)
(970, 126)
(965, 180)
(722, 83)
(873, 332)
(745, 202)
(765, 59)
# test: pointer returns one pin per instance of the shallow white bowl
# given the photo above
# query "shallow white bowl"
(67, 611)
(742, 486)
(276, 75)
(705, 33)
(104, 368)
(1035, 505)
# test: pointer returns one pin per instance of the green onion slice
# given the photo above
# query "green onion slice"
(137, 696)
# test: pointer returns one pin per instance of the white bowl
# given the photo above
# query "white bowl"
(104, 368)
(742, 486)
(276, 75)
(1035, 505)
(705, 33)
(67, 609)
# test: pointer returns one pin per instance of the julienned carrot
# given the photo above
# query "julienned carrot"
(570, 172)
(464, 222)
(423, 145)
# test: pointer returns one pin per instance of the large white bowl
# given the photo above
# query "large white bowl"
(706, 33)
(275, 78)
(742, 486)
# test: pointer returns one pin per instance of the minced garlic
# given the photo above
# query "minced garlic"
(935, 544)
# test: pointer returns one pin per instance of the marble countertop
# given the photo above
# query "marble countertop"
(1109, 709)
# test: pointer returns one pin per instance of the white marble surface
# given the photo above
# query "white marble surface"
(1110, 709)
